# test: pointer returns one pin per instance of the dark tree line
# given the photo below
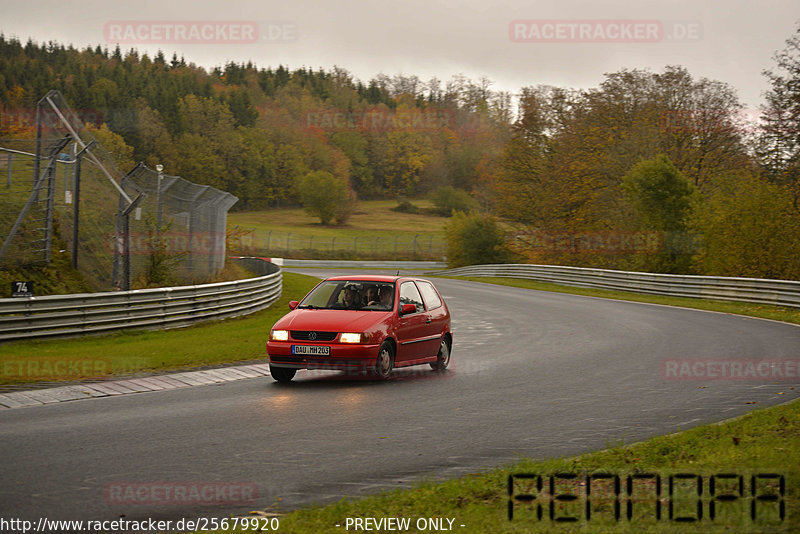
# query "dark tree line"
(257, 131)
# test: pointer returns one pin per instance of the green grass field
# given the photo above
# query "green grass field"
(373, 231)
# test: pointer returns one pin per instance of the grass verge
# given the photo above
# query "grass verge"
(229, 340)
(765, 441)
(764, 311)
(374, 231)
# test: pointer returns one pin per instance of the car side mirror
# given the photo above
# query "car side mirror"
(293, 304)
(405, 309)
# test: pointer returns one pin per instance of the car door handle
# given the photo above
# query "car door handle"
(428, 320)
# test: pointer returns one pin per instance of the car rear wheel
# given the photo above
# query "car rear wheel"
(385, 362)
(443, 357)
(282, 374)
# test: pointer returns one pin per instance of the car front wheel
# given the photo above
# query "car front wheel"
(443, 357)
(385, 362)
(282, 374)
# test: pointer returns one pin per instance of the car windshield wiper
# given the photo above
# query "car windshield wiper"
(308, 307)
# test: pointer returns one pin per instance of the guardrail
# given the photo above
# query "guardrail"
(168, 307)
(357, 264)
(758, 290)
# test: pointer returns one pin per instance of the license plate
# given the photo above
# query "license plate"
(311, 350)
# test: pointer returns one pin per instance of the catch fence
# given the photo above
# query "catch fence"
(366, 245)
(65, 195)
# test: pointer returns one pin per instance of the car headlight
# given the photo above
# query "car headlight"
(348, 337)
(280, 335)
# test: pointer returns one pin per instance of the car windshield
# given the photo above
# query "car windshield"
(350, 295)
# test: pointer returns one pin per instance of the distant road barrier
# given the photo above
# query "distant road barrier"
(166, 307)
(358, 264)
(758, 290)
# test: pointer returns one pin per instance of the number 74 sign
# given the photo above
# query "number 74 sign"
(21, 289)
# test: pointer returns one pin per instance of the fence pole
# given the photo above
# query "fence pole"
(76, 202)
(126, 242)
(288, 246)
(51, 198)
(38, 150)
(10, 162)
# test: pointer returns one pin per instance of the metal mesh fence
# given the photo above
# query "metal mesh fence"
(117, 243)
(17, 187)
(178, 230)
(364, 245)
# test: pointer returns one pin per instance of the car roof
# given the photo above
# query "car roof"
(367, 278)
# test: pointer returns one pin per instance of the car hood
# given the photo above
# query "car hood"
(331, 320)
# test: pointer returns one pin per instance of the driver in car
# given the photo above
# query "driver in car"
(351, 298)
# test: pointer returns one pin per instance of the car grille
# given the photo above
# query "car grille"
(306, 335)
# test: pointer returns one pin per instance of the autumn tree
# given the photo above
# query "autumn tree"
(325, 196)
(779, 143)
(115, 145)
(749, 227)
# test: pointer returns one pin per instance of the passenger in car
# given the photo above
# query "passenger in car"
(372, 295)
(385, 294)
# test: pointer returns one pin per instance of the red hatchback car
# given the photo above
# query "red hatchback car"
(372, 323)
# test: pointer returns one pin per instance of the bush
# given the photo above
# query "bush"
(662, 199)
(325, 196)
(474, 239)
(449, 199)
(405, 206)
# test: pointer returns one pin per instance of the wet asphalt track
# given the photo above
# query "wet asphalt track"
(533, 374)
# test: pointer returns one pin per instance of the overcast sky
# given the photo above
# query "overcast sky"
(514, 43)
